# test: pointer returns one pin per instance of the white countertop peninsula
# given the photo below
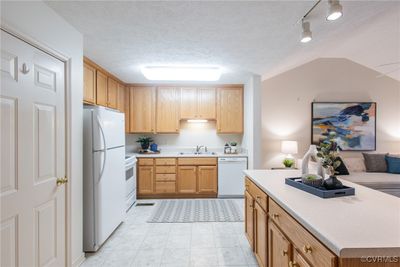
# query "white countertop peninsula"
(365, 224)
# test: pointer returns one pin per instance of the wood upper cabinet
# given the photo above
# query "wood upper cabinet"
(167, 113)
(89, 84)
(230, 110)
(121, 98)
(112, 93)
(145, 179)
(127, 109)
(188, 102)
(249, 218)
(279, 248)
(101, 89)
(207, 179)
(206, 107)
(187, 177)
(141, 109)
(198, 103)
(260, 241)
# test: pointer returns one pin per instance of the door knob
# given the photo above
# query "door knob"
(25, 69)
(61, 181)
(307, 249)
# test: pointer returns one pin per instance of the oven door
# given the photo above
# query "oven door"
(130, 177)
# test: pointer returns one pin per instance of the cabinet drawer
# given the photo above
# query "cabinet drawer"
(166, 161)
(144, 162)
(165, 177)
(311, 249)
(165, 187)
(197, 161)
(165, 169)
(259, 196)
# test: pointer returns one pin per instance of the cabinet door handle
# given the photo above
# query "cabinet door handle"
(293, 264)
(275, 215)
(307, 249)
(284, 252)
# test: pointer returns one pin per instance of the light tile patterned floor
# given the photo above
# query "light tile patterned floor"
(137, 243)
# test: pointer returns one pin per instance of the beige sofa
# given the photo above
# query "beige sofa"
(382, 181)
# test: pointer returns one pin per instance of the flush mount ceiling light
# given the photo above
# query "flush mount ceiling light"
(306, 35)
(195, 121)
(181, 73)
(335, 10)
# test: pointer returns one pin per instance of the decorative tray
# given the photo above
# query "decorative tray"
(320, 191)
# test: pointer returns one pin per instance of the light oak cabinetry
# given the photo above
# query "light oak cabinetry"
(167, 113)
(141, 109)
(89, 84)
(187, 177)
(230, 110)
(101, 89)
(177, 177)
(198, 103)
(276, 238)
(112, 93)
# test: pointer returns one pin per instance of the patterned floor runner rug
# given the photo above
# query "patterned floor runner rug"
(196, 210)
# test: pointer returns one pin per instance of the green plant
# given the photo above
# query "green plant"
(288, 163)
(328, 152)
(311, 177)
(233, 143)
(144, 141)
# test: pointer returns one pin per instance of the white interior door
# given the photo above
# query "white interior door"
(32, 125)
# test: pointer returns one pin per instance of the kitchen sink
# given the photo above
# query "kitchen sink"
(197, 153)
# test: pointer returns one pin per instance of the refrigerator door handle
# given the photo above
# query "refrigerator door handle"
(105, 147)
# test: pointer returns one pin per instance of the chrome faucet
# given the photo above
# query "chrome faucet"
(198, 148)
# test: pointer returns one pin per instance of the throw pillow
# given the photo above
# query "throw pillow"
(355, 164)
(393, 164)
(342, 169)
(375, 162)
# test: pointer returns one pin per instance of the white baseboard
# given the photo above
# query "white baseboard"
(79, 260)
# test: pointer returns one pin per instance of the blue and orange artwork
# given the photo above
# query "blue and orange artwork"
(353, 123)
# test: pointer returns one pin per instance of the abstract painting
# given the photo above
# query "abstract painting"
(353, 122)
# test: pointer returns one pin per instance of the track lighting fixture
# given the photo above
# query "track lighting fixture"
(335, 10)
(306, 35)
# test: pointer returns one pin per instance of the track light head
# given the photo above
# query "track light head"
(335, 10)
(306, 35)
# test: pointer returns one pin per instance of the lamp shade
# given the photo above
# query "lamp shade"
(289, 147)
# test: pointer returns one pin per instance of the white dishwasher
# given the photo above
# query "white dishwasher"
(231, 176)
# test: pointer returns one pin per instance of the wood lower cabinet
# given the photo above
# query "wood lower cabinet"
(187, 179)
(145, 180)
(260, 231)
(177, 177)
(277, 238)
(89, 84)
(279, 248)
(101, 89)
(249, 218)
(207, 179)
(298, 260)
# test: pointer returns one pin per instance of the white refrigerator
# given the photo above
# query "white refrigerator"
(103, 174)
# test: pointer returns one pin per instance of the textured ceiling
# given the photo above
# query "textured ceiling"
(242, 37)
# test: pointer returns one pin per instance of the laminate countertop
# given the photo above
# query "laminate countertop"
(187, 155)
(366, 224)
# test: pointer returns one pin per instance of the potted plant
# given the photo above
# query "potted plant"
(312, 179)
(233, 147)
(328, 152)
(289, 163)
(144, 142)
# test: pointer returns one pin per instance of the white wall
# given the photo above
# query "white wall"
(287, 98)
(190, 135)
(42, 24)
(252, 119)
